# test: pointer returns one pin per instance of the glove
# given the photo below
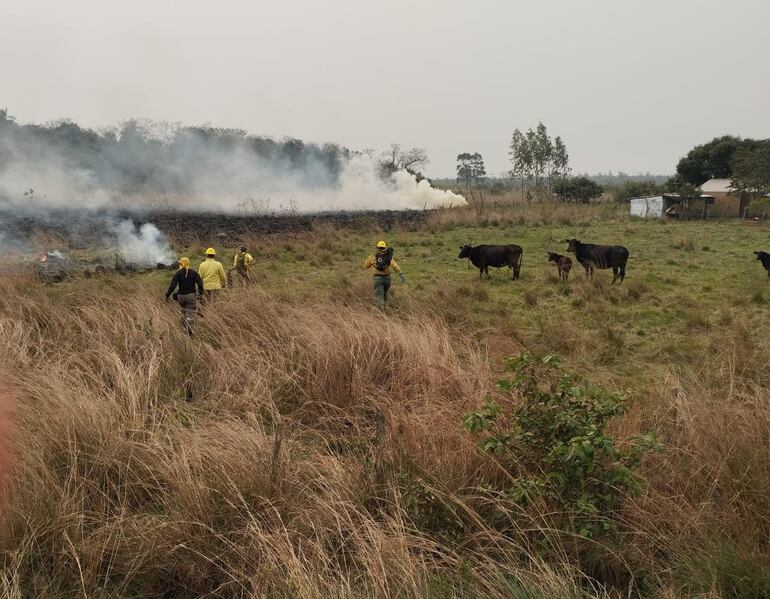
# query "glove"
(403, 277)
(175, 296)
(166, 298)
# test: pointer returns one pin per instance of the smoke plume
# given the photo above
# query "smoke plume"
(149, 166)
(145, 245)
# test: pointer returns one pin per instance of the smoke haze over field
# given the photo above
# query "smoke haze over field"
(630, 86)
(51, 174)
(143, 165)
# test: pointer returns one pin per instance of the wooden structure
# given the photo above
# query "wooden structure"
(727, 202)
(689, 207)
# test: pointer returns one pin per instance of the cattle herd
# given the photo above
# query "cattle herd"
(589, 255)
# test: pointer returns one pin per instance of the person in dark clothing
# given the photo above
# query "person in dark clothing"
(187, 280)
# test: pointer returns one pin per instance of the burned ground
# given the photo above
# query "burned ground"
(82, 229)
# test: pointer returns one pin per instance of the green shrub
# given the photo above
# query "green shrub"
(636, 189)
(759, 206)
(555, 445)
(426, 509)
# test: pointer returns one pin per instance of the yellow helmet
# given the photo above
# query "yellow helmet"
(211, 252)
(382, 244)
(184, 262)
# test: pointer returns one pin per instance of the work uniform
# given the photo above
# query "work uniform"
(381, 278)
(242, 262)
(213, 274)
(187, 280)
(242, 265)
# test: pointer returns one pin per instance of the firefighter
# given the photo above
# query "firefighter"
(187, 280)
(213, 274)
(382, 262)
(241, 265)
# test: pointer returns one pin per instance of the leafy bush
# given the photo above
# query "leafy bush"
(555, 445)
(637, 189)
(759, 206)
(577, 189)
(426, 509)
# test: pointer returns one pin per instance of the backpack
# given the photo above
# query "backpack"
(240, 260)
(382, 259)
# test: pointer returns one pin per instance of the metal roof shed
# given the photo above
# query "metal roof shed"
(650, 207)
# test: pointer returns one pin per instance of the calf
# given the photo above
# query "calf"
(497, 256)
(600, 256)
(764, 258)
(563, 264)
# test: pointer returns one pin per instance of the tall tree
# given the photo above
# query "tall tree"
(751, 169)
(542, 150)
(521, 157)
(470, 169)
(395, 159)
(559, 159)
(711, 160)
(534, 155)
(471, 177)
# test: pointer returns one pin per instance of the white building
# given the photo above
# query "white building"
(651, 207)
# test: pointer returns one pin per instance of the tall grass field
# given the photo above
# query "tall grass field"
(491, 438)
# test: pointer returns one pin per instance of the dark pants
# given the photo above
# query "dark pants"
(243, 274)
(189, 306)
(381, 288)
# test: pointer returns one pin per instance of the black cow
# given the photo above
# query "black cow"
(764, 258)
(497, 256)
(600, 256)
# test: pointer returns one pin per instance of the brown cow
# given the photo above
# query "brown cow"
(563, 264)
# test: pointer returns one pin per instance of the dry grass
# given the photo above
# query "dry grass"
(281, 478)
(323, 453)
(527, 213)
(706, 506)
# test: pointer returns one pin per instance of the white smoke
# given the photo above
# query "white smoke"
(145, 245)
(361, 188)
(189, 173)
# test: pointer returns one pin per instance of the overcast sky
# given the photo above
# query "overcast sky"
(629, 84)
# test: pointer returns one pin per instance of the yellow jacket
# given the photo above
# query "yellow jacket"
(213, 274)
(247, 260)
(370, 263)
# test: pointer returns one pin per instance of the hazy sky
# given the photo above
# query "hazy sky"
(629, 84)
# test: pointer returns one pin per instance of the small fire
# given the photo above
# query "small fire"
(51, 256)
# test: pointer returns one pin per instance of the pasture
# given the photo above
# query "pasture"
(324, 454)
(686, 281)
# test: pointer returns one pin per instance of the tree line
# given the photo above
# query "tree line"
(539, 165)
(540, 168)
(142, 156)
(745, 162)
